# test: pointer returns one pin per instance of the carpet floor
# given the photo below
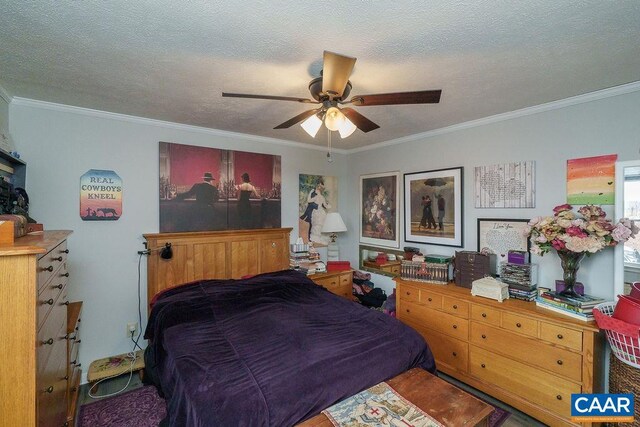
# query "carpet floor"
(142, 407)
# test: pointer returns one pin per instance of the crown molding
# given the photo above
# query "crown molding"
(34, 103)
(4, 94)
(567, 102)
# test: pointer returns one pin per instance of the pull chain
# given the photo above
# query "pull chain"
(329, 158)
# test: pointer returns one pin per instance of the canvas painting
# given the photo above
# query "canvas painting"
(591, 180)
(506, 185)
(208, 189)
(433, 207)
(317, 196)
(379, 206)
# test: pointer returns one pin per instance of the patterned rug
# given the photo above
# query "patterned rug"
(143, 407)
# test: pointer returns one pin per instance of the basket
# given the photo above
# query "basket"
(623, 337)
(623, 379)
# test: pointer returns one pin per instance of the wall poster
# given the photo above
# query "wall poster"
(507, 185)
(317, 196)
(100, 195)
(379, 207)
(209, 189)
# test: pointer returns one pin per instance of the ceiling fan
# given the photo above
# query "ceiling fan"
(331, 91)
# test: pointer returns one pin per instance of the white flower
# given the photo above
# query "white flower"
(621, 233)
(564, 223)
(591, 244)
(535, 249)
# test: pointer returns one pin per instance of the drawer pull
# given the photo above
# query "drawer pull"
(48, 342)
(407, 310)
(559, 362)
(66, 251)
(560, 336)
(66, 378)
(408, 293)
(49, 389)
(65, 274)
(50, 268)
(49, 301)
(72, 338)
(559, 397)
(73, 362)
(518, 325)
(454, 354)
(484, 314)
(455, 326)
(78, 342)
(455, 307)
(483, 365)
(484, 336)
(57, 259)
(65, 303)
(430, 299)
(60, 286)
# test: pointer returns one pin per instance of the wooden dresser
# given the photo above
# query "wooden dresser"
(215, 255)
(337, 282)
(74, 367)
(528, 357)
(33, 315)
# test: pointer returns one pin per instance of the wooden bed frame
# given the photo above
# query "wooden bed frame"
(214, 255)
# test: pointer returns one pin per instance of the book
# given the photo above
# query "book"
(586, 310)
(572, 314)
(582, 301)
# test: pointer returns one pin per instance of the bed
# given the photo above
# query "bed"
(271, 350)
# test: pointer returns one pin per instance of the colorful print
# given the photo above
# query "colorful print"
(591, 180)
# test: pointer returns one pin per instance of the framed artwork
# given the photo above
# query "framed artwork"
(379, 207)
(591, 180)
(100, 195)
(317, 196)
(433, 207)
(208, 189)
(499, 236)
(506, 185)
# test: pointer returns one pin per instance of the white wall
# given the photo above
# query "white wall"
(61, 144)
(605, 126)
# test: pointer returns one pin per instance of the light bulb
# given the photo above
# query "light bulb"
(311, 125)
(333, 118)
(346, 128)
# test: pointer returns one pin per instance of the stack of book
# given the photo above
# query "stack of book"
(522, 280)
(580, 307)
(298, 256)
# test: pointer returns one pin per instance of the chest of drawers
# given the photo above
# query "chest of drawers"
(33, 301)
(337, 282)
(528, 357)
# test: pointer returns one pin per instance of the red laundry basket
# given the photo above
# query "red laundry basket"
(623, 337)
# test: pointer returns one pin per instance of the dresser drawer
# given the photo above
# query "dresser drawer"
(52, 333)
(547, 390)
(50, 262)
(430, 299)
(329, 282)
(51, 404)
(47, 297)
(561, 336)
(520, 324)
(482, 313)
(455, 306)
(346, 279)
(448, 351)
(436, 320)
(534, 352)
(409, 293)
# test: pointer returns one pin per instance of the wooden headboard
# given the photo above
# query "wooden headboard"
(214, 255)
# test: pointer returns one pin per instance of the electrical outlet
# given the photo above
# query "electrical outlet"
(132, 328)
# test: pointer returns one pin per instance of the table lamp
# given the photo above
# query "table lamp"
(333, 224)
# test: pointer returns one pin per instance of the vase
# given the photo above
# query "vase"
(570, 262)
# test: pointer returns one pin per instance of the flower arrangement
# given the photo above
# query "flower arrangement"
(567, 232)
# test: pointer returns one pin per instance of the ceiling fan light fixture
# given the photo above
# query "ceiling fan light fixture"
(312, 125)
(346, 128)
(333, 118)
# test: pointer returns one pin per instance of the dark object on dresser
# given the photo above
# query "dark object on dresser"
(470, 266)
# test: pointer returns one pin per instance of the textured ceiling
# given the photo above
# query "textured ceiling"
(170, 60)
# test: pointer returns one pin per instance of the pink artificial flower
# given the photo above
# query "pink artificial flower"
(562, 208)
(558, 244)
(621, 233)
(576, 231)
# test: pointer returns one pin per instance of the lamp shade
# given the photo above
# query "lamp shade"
(333, 118)
(312, 125)
(333, 223)
(346, 128)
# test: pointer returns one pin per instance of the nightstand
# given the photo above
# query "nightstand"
(337, 282)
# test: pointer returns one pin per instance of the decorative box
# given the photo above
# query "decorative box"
(488, 287)
(428, 272)
(338, 265)
(518, 257)
(470, 266)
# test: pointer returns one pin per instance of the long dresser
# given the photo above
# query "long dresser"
(528, 357)
(34, 382)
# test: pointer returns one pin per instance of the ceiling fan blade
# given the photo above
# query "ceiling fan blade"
(361, 122)
(336, 70)
(297, 119)
(275, 98)
(419, 97)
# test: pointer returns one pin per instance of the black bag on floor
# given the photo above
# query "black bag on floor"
(375, 298)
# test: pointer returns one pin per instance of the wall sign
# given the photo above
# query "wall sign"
(100, 195)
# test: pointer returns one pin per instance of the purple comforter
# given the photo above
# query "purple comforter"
(272, 350)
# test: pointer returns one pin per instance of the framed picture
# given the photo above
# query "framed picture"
(379, 207)
(433, 207)
(499, 236)
(317, 196)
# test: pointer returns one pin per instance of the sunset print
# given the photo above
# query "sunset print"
(100, 196)
(591, 180)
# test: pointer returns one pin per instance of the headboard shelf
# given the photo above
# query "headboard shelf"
(228, 254)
